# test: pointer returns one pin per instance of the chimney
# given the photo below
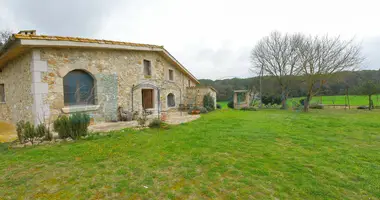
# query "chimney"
(28, 32)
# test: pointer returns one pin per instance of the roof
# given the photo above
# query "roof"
(78, 39)
(203, 86)
(21, 42)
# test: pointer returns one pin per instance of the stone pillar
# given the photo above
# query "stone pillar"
(40, 110)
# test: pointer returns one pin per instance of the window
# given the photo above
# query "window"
(147, 68)
(171, 75)
(171, 100)
(2, 93)
(78, 88)
(189, 82)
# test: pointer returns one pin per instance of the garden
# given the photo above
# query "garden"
(225, 154)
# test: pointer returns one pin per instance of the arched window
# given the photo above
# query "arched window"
(78, 88)
(171, 100)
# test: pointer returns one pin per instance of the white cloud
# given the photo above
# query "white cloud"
(212, 38)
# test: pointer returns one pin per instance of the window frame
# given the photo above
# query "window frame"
(91, 91)
(171, 78)
(147, 67)
(167, 100)
(2, 93)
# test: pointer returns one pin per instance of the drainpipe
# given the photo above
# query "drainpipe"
(133, 87)
(180, 98)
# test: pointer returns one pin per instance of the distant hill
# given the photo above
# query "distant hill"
(336, 85)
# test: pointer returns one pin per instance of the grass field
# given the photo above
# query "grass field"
(358, 100)
(227, 154)
(355, 100)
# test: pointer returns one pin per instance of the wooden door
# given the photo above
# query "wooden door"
(147, 98)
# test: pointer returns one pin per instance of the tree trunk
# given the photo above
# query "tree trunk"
(348, 99)
(370, 106)
(284, 98)
(306, 103)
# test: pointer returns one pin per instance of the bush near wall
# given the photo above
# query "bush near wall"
(74, 126)
(230, 104)
(27, 132)
(209, 102)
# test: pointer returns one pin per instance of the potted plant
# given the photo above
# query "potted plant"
(195, 110)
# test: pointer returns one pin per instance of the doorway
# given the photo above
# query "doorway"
(147, 98)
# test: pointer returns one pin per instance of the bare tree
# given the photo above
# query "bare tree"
(321, 57)
(276, 55)
(4, 37)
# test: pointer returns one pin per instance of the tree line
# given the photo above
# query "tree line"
(353, 82)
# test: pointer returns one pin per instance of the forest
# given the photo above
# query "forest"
(339, 83)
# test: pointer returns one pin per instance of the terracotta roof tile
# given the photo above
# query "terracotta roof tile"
(77, 39)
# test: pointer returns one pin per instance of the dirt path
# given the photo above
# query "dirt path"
(7, 132)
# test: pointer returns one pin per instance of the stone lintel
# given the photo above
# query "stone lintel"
(80, 108)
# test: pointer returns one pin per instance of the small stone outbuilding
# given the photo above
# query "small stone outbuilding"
(195, 95)
(242, 98)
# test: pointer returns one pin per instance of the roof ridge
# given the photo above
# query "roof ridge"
(81, 39)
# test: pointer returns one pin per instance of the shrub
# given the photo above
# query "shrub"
(157, 123)
(316, 106)
(19, 129)
(72, 127)
(248, 109)
(218, 106)
(62, 126)
(190, 111)
(271, 100)
(203, 110)
(302, 101)
(143, 118)
(27, 132)
(79, 124)
(230, 104)
(209, 102)
(43, 131)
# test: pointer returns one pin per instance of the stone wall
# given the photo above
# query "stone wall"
(115, 72)
(17, 79)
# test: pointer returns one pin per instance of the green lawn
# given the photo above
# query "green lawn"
(227, 154)
(355, 100)
(223, 104)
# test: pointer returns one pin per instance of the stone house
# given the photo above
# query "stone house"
(42, 77)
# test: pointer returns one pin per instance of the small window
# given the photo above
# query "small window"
(171, 100)
(147, 68)
(2, 93)
(189, 82)
(171, 75)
